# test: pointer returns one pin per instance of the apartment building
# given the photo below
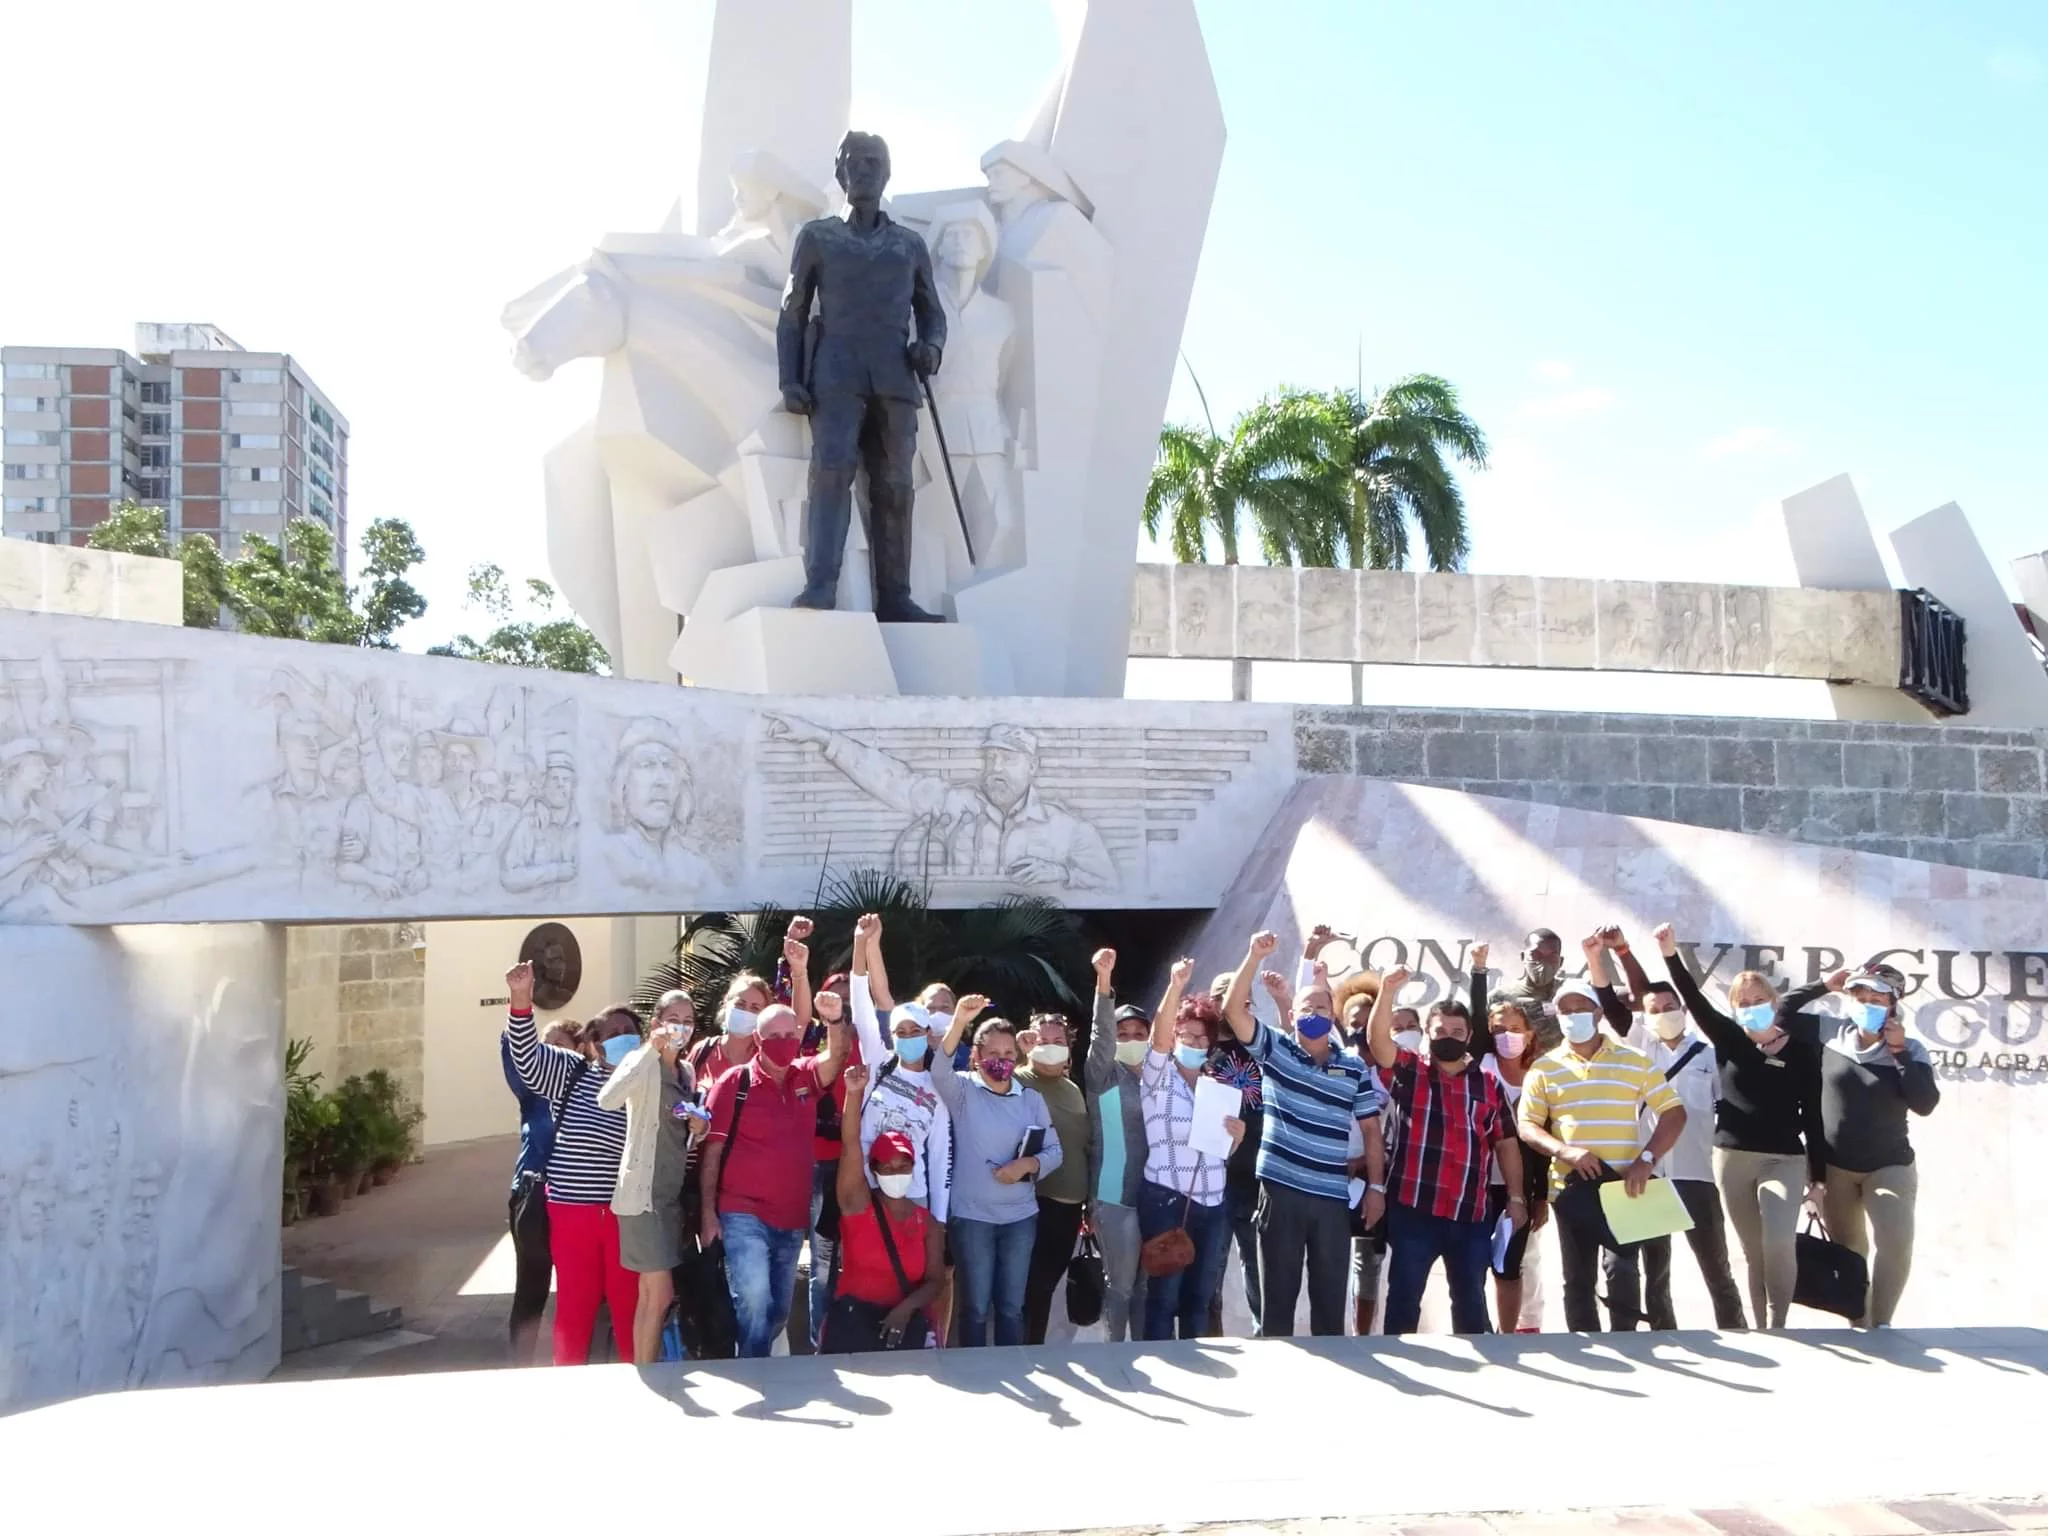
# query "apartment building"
(228, 441)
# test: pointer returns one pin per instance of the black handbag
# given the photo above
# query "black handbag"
(1832, 1276)
(1087, 1283)
(853, 1326)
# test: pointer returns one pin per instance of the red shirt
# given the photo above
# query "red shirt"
(1449, 1124)
(864, 1268)
(767, 1171)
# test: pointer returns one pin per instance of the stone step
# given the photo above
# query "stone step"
(317, 1313)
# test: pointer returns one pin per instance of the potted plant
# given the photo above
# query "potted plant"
(391, 1123)
(354, 1131)
(301, 1126)
(323, 1165)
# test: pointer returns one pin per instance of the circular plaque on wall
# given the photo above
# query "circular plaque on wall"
(557, 965)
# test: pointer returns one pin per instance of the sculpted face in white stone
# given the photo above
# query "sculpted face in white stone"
(345, 774)
(300, 741)
(1006, 776)
(655, 788)
(558, 787)
(1010, 190)
(397, 747)
(429, 767)
(518, 780)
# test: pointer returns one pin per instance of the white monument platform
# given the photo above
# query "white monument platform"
(1131, 1437)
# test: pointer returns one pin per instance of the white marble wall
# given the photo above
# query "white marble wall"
(93, 583)
(180, 775)
(141, 1150)
(1417, 873)
(1438, 618)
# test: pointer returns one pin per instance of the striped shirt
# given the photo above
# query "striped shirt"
(1169, 1107)
(1596, 1103)
(584, 1167)
(1449, 1124)
(1312, 1109)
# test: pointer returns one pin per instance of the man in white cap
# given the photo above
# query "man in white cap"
(1582, 1107)
(650, 805)
(981, 330)
(997, 828)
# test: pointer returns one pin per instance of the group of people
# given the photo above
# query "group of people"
(943, 1164)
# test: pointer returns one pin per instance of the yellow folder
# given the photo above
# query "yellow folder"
(1656, 1212)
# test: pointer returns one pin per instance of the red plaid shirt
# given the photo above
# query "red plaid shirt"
(1449, 1124)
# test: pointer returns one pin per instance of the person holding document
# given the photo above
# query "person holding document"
(1453, 1118)
(1582, 1108)
(1003, 1142)
(1184, 1185)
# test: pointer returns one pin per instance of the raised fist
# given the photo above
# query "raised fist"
(1104, 961)
(1263, 944)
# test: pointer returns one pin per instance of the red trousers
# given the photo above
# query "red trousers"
(584, 1243)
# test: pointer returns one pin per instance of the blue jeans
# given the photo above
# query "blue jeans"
(760, 1273)
(994, 1262)
(1183, 1297)
(824, 1179)
(1415, 1241)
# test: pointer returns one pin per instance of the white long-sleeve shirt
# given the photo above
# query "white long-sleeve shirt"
(906, 1101)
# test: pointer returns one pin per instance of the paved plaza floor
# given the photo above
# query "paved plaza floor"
(1104, 1437)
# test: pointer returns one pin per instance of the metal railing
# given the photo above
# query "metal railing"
(1932, 667)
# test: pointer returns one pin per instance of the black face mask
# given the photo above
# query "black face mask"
(1447, 1049)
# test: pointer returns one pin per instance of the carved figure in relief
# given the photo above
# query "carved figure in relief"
(649, 804)
(542, 849)
(997, 827)
(981, 331)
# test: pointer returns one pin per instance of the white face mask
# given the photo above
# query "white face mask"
(1409, 1040)
(1131, 1052)
(895, 1185)
(741, 1021)
(1669, 1024)
(940, 1023)
(1048, 1056)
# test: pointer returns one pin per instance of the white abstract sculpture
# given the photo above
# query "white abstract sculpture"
(1066, 282)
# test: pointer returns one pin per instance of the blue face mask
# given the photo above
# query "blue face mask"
(1578, 1027)
(910, 1049)
(1871, 1018)
(619, 1047)
(1757, 1017)
(1193, 1057)
(1313, 1026)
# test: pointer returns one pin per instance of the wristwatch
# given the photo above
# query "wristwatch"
(1375, 1189)
(1648, 1158)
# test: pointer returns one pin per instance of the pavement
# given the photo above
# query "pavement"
(1896, 1431)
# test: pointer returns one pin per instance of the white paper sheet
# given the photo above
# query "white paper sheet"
(1215, 1102)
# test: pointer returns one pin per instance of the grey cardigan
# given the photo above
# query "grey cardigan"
(987, 1128)
(1105, 1076)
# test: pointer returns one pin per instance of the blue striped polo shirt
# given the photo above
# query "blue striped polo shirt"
(1311, 1111)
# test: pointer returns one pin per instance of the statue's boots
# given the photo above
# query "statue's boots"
(889, 531)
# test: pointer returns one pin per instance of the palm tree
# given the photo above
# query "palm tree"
(1025, 954)
(1271, 467)
(1390, 457)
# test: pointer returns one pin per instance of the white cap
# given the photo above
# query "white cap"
(1575, 989)
(910, 1013)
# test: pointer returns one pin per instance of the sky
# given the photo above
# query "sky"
(1680, 260)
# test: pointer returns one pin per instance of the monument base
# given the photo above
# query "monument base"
(788, 650)
(947, 661)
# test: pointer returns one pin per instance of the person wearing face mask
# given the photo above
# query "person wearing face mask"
(1535, 990)
(738, 1019)
(890, 1246)
(1873, 1076)
(583, 1167)
(994, 1206)
(1582, 1108)
(756, 1170)
(655, 1088)
(1454, 1122)
(1321, 1101)
(1685, 1059)
(1508, 1065)
(1045, 1049)
(527, 1208)
(1116, 1145)
(1767, 1124)
(900, 1094)
(1230, 1061)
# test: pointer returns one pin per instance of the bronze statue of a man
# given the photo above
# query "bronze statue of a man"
(846, 360)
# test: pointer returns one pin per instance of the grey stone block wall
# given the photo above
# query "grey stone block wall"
(1961, 795)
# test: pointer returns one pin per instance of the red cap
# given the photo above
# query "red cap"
(836, 982)
(891, 1145)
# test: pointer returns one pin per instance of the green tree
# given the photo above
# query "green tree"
(542, 637)
(1391, 458)
(292, 589)
(389, 551)
(1273, 467)
(135, 528)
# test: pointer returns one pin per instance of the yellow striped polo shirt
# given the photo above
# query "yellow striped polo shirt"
(1594, 1102)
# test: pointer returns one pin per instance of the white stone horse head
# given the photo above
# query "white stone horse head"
(579, 312)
